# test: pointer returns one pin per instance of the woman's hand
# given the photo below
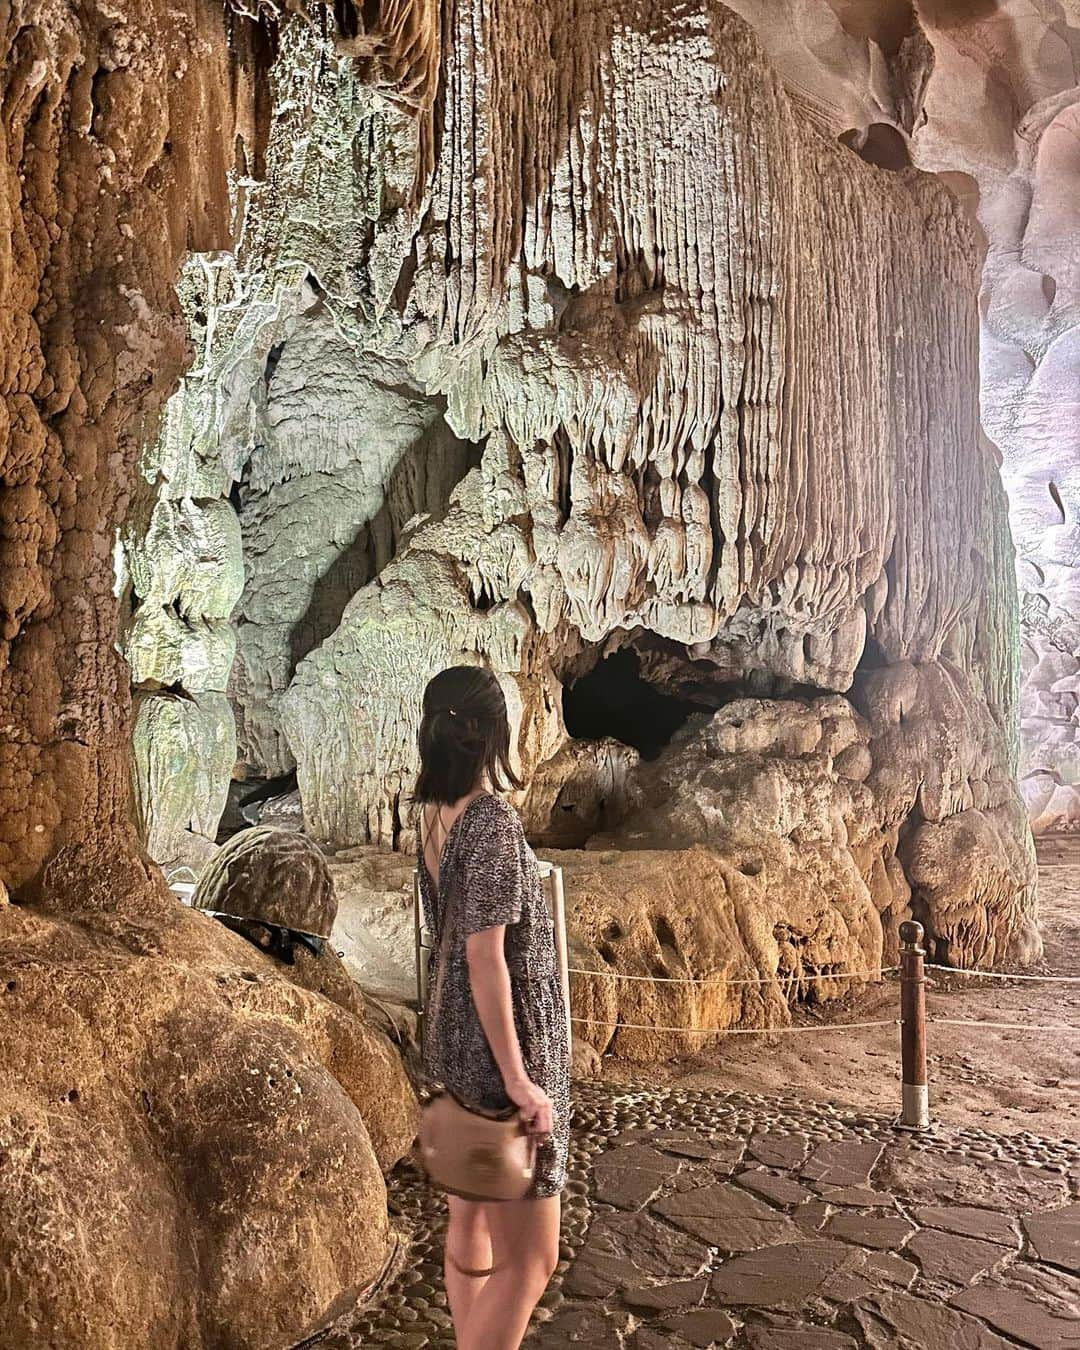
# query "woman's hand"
(534, 1106)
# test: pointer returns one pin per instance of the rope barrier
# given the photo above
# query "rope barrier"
(796, 1031)
(732, 1031)
(784, 978)
(1001, 1026)
(723, 979)
(1003, 975)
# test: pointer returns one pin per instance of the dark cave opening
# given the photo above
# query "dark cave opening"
(249, 798)
(346, 18)
(879, 144)
(614, 700)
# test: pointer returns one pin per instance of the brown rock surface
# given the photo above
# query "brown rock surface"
(777, 1190)
(848, 1163)
(624, 1250)
(727, 1218)
(1023, 1302)
(664, 1297)
(193, 1154)
(774, 1149)
(119, 125)
(948, 1260)
(629, 1177)
(703, 1327)
(1055, 1236)
(783, 1277)
(666, 920)
(967, 1221)
(886, 1232)
(896, 1321)
(798, 1338)
(973, 1185)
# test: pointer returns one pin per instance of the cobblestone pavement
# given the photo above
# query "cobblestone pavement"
(699, 1219)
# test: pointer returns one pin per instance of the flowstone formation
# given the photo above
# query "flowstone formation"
(191, 1144)
(293, 458)
(893, 83)
(582, 422)
(987, 95)
(672, 470)
(193, 1154)
(102, 193)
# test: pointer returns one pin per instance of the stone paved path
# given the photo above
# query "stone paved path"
(699, 1219)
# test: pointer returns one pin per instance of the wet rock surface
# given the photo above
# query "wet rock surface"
(691, 1222)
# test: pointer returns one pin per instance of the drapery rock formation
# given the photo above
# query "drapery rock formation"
(988, 96)
(532, 429)
(668, 473)
(667, 461)
(894, 83)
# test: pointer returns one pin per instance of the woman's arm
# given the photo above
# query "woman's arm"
(489, 980)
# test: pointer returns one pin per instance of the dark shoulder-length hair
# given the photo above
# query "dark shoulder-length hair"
(464, 737)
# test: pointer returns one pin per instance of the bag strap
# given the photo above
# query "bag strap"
(444, 906)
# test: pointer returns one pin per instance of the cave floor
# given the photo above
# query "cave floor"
(731, 1203)
(703, 1218)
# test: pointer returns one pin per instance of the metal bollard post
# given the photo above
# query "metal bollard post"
(915, 1111)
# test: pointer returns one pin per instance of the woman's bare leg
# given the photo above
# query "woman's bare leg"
(525, 1240)
(468, 1249)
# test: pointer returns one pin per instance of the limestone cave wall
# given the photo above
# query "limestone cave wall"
(664, 449)
(606, 342)
(104, 191)
(691, 361)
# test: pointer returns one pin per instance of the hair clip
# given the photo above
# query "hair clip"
(452, 712)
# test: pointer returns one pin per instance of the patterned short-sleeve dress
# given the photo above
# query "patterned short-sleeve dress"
(488, 876)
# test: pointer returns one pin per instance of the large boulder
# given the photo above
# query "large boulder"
(192, 1154)
(701, 937)
(906, 806)
(687, 938)
(375, 925)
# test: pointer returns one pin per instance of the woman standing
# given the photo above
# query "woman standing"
(495, 1025)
